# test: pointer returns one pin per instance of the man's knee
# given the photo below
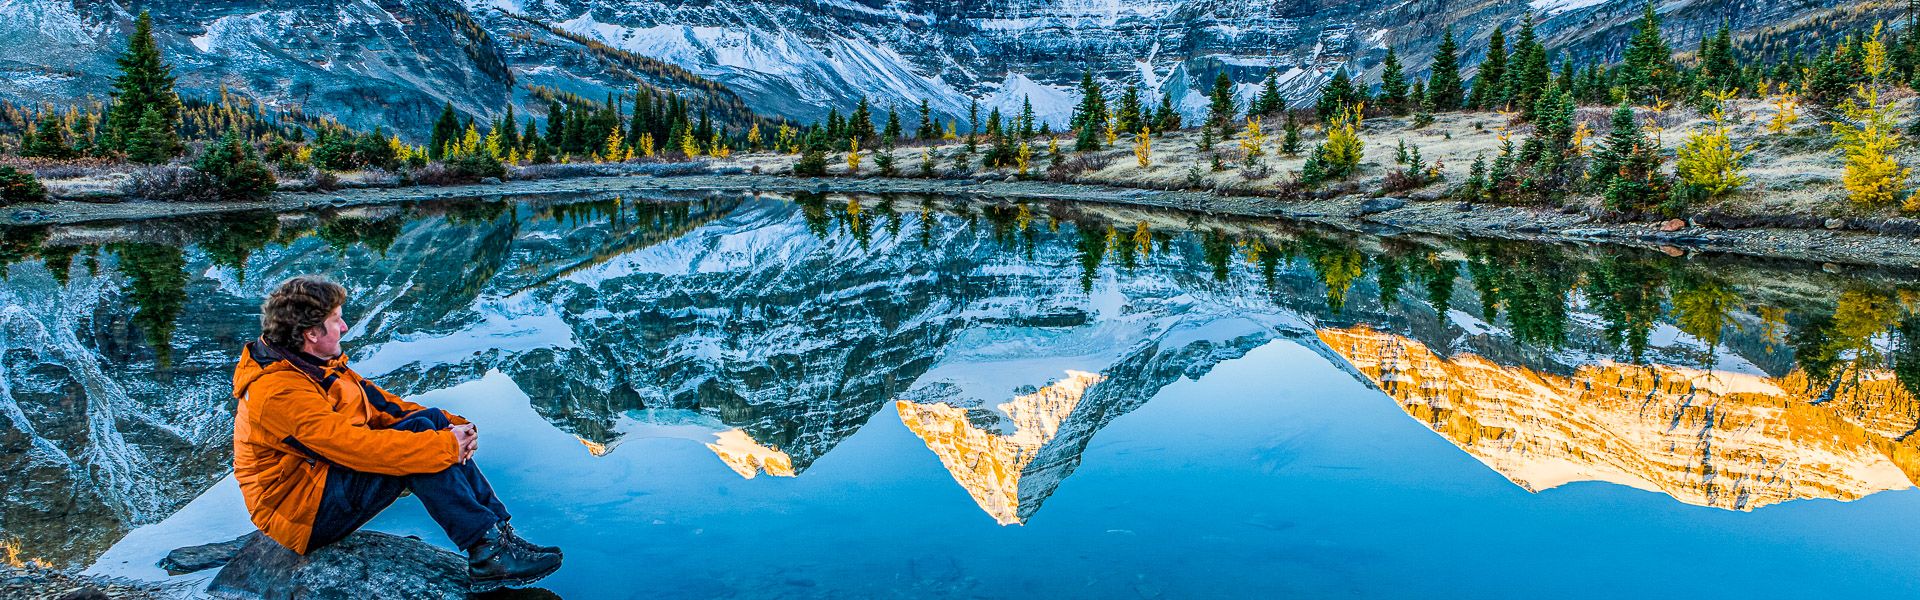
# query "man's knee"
(430, 419)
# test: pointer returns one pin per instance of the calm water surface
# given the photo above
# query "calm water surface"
(833, 396)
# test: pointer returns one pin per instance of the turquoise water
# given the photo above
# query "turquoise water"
(829, 396)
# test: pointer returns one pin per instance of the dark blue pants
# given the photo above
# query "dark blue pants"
(458, 498)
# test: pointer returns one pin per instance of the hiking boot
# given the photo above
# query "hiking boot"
(514, 537)
(497, 562)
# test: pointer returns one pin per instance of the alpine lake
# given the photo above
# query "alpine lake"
(847, 396)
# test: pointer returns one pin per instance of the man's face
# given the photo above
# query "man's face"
(324, 341)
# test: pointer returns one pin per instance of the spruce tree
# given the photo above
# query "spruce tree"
(18, 186)
(1128, 118)
(47, 139)
(1487, 83)
(1336, 96)
(1626, 167)
(1290, 141)
(1169, 118)
(927, 130)
(556, 128)
(973, 116)
(1719, 70)
(145, 85)
(891, 134)
(1444, 86)
(1025, 124)
(1393, 84)
(1647, 70)
(1270, 101)
(1090, 116)
(1529, 73)
(155, 141)
(860, 124)
(509, 130)
(235, 169)
(1548, 153)
(1220, 105)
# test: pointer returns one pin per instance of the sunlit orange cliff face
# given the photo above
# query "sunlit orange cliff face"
(990, 464)
(1709, 438)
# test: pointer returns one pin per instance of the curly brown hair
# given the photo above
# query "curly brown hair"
(299, 304)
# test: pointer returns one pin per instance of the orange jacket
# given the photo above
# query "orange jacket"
(295, 420)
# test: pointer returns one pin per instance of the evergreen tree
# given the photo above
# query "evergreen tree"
(1169, 119)
(1290, 141)
(236, 171)
(145, 85)
(18, 186)
(556, 128)
(509, 130)
(860, 124)
(1444, 87)
(927, 129)
(1220, 105)
(1647, 70)
(1530, 72)
(1090, 116)
(446, 130)
(891, 134)
(1488, 82)
(1719, 69)
(1270, 101)
(1626, 166)
(1393, 84)
(47, 139)
(1548, 153)
(973, 116)
(1336, 96)
(1026, 118)
(155, 141)
(1128, 118)
(836, 127)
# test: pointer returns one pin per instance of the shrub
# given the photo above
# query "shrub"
(236, 171)
(174, 184)
(1339, 157)
(812, 163)
(18, 186)
(1707, 164)
(477, 166)
(1079, 163)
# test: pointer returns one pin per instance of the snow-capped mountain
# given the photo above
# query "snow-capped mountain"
(394, 62)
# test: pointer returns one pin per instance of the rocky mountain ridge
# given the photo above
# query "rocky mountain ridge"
(394, 62)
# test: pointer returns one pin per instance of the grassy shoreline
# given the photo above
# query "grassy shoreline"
(1352, 211)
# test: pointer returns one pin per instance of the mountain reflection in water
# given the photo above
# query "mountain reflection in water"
(1004, 336)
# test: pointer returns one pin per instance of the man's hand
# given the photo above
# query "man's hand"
(469, 438)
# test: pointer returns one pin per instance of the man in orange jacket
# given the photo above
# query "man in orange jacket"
(319, 451)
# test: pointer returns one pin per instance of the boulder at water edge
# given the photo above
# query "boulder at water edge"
(368, 565)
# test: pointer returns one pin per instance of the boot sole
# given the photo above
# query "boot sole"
(481, 587)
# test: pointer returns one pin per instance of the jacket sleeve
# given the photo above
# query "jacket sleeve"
(382, 420)
(305, 420)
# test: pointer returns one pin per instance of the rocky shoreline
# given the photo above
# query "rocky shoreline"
(1833, 241)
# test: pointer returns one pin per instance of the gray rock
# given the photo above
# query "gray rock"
(490, 181)
(204, 556)
(1594, 232)
(1836, 223)
(368, 565)
(1463, 207)
(28, 215)
(1379, 205)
